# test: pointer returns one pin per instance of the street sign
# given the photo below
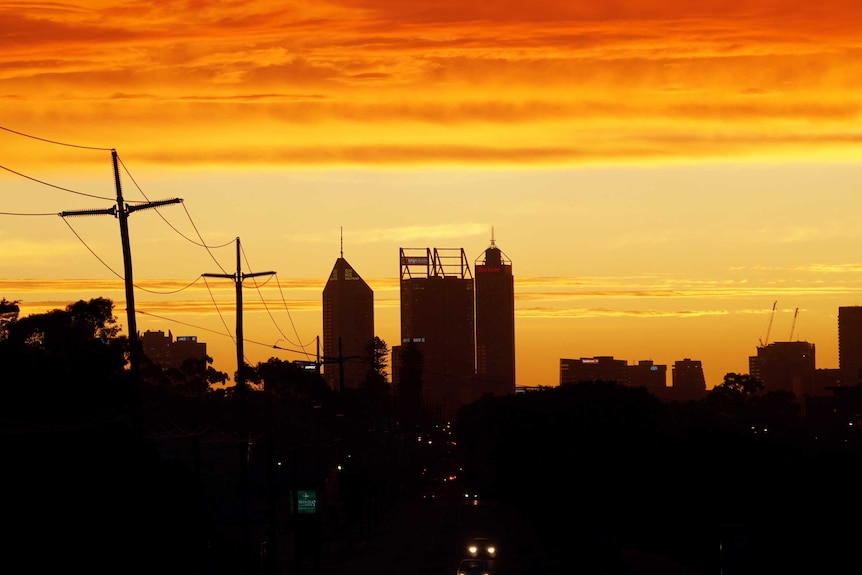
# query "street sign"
(306, 501)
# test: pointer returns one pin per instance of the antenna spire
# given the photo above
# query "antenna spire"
(342, 240)
(492, 235)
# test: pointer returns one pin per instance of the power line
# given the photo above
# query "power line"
(225, 333)
(202, 243)
(290, 317)
(218, 310)
(54, 141)
(266, 307)
(196, 280)
(109, 268)
(22, 214)
(38, 181)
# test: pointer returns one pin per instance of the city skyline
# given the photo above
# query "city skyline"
(659, 173)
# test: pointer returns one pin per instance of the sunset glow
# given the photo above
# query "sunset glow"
(659, 173)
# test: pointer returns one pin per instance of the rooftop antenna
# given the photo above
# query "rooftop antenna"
(492, 235)
(342, 241)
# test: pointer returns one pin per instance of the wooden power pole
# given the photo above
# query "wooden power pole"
(240, 355)
(122, 211)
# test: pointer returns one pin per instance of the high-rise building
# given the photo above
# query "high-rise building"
(785, 365)
(687, 380)
(649, 375)
(348, 326)
(495, 321)
(437, 315)
(850, 344)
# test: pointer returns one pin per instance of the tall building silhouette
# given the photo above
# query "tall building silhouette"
(348, 326)
(649, 375)
(850, 344)
(495, 321)
(437, 315)
(785, 366)
(687, 380)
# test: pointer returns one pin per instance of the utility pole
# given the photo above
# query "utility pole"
(122, 211)
(245, 446)
(238, 277)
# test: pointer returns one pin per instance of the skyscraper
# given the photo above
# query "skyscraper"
(850, 344)
(495, 321)
(437, 315)
(348, 326)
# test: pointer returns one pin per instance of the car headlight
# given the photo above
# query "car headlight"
(472, 549)
(492, 550)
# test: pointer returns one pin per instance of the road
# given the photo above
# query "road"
(430, 538)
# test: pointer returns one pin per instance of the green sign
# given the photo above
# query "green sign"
(306, 501)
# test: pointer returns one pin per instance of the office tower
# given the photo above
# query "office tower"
(168, 352)
(437, 315)
(785, 365)
(599, 368)
(348, 326)
(495, 322)
(649, 375)
(687, 380)
(850, 344)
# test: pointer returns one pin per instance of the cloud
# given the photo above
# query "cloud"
(586, 313)
(17, 252)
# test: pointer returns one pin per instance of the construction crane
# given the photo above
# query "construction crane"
(793, 325)
(765, 341)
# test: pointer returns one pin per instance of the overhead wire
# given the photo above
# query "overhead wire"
(103, 262)
(150, 314)
(201, 243)
(120, 276)
(287, 310)
(263, 299)
(212, 297)
(55, 141)
(23, 214)
(38, 181)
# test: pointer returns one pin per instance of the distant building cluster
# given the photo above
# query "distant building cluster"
(169, 352)
(688, 382)
(460, 319)
(780, 366)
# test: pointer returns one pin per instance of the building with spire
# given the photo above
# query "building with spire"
(495, 322)
(348, 325)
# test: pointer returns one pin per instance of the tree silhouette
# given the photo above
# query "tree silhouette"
(376, 375)
(69, 422)
(8, 313)
(288, 379)
(66, 363)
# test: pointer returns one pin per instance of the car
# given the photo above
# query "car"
(482, 548)
(474, 567)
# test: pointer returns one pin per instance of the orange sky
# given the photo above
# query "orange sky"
(659, 172)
